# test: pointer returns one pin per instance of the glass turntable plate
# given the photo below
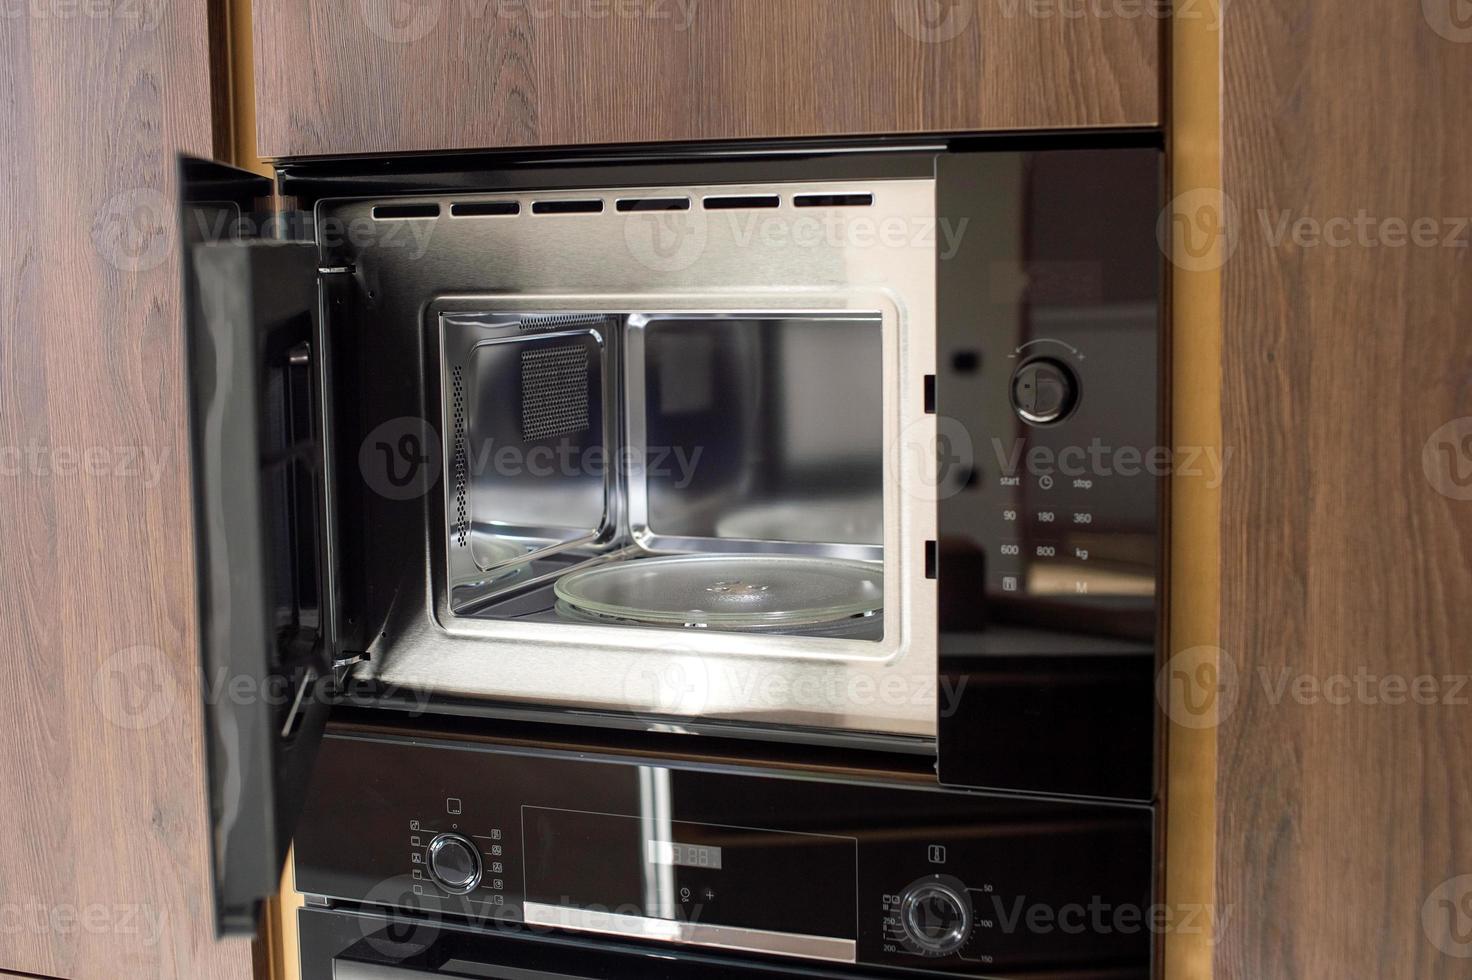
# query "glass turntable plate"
(730, 591)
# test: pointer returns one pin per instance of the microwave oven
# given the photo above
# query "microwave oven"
(796, 444)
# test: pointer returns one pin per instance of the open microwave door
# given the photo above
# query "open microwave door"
(254, 357)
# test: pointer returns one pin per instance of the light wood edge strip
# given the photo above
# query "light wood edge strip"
(242, 74)
(1195, 154)
(279, 928)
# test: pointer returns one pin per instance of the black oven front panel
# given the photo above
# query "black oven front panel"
(528, 843)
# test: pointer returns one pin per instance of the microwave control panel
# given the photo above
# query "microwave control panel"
(915, 877)
(1053, 457)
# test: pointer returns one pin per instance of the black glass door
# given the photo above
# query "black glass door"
(260, 528)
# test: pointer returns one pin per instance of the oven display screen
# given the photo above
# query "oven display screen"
(656, 867)
(677, 855)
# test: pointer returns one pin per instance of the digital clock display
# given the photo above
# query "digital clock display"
(675, 854)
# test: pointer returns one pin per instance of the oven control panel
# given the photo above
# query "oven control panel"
(894, 875)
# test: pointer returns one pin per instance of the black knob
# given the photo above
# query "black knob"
(454, 863)
(936, 917)
(1044, 391)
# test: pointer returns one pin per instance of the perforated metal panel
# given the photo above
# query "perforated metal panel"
(461, 528)
(554, 391)
(559, 321)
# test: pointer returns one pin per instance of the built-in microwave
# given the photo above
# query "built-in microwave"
(792, 443)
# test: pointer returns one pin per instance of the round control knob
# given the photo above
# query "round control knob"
(935, 917)
(454, 863)
(1044, 391)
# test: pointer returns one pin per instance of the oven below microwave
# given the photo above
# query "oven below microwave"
(479, 854)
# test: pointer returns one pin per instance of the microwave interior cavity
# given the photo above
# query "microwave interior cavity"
(680, 470)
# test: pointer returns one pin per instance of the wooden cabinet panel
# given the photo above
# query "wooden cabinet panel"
(105, 843)
(1343, 796)
(391, 75)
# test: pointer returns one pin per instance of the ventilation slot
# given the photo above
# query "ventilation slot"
(593, 206)
(398, 212)
(742, 203)
(654, 204)
(560, 321)
(833, 200)
(484, 209)
(462, 460)
(554, 391)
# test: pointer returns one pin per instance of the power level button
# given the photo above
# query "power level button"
(1044, 391)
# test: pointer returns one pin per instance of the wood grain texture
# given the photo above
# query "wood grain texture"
(104, 853)
(374, 76)
(1336, 822)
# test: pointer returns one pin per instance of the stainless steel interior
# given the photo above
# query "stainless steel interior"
(770, 433)
(729, 433)
(817, 326)
(528, 407)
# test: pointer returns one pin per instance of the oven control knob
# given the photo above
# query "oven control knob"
(454, 863)
(936, 916)
(1044, 391)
